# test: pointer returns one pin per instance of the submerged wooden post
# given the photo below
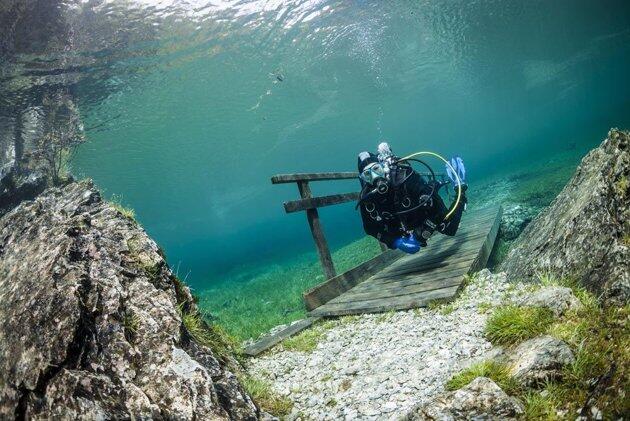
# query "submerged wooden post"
(318, 233)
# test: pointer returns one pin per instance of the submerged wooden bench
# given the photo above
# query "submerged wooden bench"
(396, 281)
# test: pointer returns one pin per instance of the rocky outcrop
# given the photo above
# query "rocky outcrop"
(585, 232)
(539, 360)
(91, 324)
(557, 299)
(481, 399)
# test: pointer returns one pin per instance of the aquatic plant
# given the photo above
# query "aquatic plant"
(265, 397)
(272, 296)
(497, 372)
(600, 341)
(116, 202)
(210, 335)
(510, 325)
(307, 340)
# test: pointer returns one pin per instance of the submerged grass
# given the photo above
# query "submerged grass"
(510, 325)
(495, 371)
(211, 335)
(273, 296)
(116, 202)
(307, 340)
(265, 397)
(600, 340)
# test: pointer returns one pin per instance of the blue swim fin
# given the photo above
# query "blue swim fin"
(458, 165)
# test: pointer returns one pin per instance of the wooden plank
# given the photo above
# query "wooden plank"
(320, 176)
(320, 202)
(414, 265)
(399, 291)
(404, 303)
(336, 286)
(414, 278)
(270, 340)
(318, 233)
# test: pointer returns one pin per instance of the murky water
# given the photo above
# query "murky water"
(191, 106)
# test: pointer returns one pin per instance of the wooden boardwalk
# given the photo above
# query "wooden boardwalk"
(394, 281)
(433, 274)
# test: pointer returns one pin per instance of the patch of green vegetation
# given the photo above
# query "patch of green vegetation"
(250, 303)
(497, 372)
(600, 340)
(152, 270)
(510, 325)
(326, 378)
(541, 405)
(116, 202)
(130, 323)
(447, 309)
(265, 397)
(213, 336)
(443, 308)
(304, 342)
(621, 186)
(588, 300)
(484, 307)
(386, 316)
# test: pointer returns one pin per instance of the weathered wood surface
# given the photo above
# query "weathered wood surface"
(336, 286)
(320, 176)
(320, 202)
(318, 233)
(271, 340)
(395, 281)
(435, 273)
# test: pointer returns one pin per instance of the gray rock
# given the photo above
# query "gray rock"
(582, 232)
(480, 399)
(540, 359)
(556, 299)
(91, 327)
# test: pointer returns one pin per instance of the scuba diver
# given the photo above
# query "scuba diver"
(400, 207)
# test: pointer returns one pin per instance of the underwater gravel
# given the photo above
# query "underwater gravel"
(380, 366)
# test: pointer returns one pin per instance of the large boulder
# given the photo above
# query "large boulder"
(557, 299)
(539, 360)
(91, 325)
(480, 399)
(585, 232)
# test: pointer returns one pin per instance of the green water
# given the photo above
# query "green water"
(190, 116)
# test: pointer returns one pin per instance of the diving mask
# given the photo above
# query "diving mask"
(373, 172)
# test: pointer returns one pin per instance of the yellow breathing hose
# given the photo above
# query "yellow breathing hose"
(459, 182)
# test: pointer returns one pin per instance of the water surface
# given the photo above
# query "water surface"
(191, 106)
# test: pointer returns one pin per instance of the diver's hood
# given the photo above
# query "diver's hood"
(364, 159)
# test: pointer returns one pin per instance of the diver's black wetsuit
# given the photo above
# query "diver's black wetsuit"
(410, 203)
